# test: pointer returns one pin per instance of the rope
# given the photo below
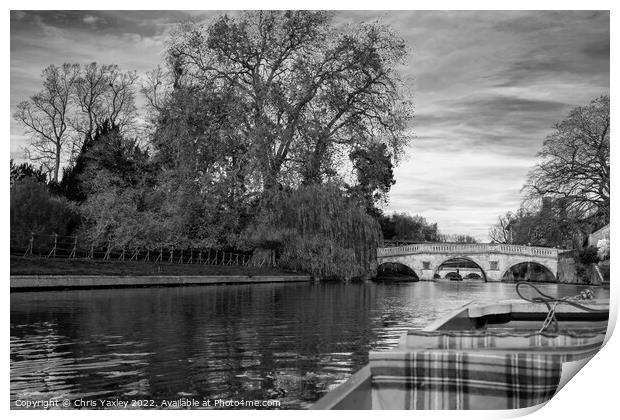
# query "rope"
(552, 303)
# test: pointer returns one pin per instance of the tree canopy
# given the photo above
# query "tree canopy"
(294, 92)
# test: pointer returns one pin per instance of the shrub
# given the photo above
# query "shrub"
(35, 209)
(583, 274)
(588, 255)
(26, 170)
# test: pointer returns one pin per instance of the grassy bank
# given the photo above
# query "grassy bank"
(44, 266)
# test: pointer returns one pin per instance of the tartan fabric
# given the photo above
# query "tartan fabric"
(462, 380)
(569, 346)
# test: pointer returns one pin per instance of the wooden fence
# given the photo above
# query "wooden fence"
(73, 247)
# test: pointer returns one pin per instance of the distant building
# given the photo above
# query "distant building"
(594, 237)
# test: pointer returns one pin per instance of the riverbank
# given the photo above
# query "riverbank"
(52, 274)
(26, 266)
(47, 282)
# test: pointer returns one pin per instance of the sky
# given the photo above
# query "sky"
(487, 88)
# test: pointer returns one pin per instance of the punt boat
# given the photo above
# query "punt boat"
(504, 355)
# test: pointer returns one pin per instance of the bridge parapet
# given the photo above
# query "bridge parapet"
(451, 248)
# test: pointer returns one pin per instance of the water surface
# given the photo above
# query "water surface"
(291, 342)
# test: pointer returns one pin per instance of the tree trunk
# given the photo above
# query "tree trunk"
(313, 170)
(57, 163)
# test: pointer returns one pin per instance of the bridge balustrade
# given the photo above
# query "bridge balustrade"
(468, 248)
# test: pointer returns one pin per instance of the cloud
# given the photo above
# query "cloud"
(18, 14)
(90, 19)
(488, 88)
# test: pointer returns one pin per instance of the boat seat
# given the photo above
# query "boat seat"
(477, 370)
(571, 345)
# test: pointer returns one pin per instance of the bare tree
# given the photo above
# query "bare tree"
(500, 232)
(45, 116)
(120, 102)
(75, 102)
(104, 93)
(156, 89)
(575, 164)
(90, 88)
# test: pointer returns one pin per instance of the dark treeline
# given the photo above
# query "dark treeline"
(566, 196)
(404, 227)
(268, 130)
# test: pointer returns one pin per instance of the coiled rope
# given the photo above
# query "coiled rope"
(553, 302)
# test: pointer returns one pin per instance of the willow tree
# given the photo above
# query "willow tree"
(310, 93)
(316, 230)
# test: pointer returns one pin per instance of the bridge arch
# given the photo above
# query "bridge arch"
(457, 263)
(529, 271)
(395, 270)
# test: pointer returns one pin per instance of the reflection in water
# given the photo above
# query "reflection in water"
(292, 342)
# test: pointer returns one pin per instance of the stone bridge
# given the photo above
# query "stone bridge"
(494, 260)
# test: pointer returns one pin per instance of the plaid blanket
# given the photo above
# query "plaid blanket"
(569, 346)
(436, 380)
(474, 370)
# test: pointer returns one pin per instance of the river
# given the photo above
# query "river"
(290, 342)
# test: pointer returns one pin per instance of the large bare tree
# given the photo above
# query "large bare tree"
(574, 165)
(45, 117)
